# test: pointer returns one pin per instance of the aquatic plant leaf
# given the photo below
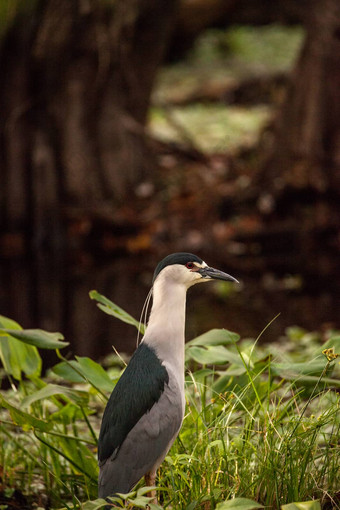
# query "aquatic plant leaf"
(212, 355)
(111, 308)
(25, 420)
(95, 373)
(215, 337)
(95, 504)
(36, 337)
(303, 505)
(238, 504)
(17, 357)
(77, 396)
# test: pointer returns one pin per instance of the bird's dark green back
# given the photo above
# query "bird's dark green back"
(138, 389)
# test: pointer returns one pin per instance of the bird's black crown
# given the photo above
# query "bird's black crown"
(175, 258)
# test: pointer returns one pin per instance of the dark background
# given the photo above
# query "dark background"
(92, 197)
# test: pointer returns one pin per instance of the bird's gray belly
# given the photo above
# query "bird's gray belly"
(146, 445)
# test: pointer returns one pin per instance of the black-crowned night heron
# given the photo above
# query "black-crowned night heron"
(145, 411)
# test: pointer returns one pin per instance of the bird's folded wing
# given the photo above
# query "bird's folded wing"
(145, 446)
(139, 388)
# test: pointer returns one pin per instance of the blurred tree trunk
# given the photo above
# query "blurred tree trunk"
(74, 95)
(306, 145)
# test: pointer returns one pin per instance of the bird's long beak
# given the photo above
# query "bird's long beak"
(216, 274)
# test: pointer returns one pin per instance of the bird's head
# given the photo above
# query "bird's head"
(187, 269)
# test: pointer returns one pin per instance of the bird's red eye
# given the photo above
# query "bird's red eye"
(189, 265)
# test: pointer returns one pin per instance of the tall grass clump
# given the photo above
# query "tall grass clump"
(259, 429)
(262, 423)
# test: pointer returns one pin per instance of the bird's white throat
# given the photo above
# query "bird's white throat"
(166, 326)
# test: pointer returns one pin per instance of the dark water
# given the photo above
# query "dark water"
(46, 291)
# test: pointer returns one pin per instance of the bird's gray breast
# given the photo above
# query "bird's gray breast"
(146, 445)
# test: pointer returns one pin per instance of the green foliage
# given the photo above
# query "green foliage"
(131, 500)
(114, 310)
(191, 97)
(238, 504)
(9, 9)
(17, 356)
(304, 505)
(261, 428)
(212, 127)
(84, 369)
(258, 434)
(266, 47)
(57, 440)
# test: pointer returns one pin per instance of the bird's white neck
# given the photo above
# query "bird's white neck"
(165, 330)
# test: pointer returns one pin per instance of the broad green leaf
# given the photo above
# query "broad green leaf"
(140, 501)
(111, 308)
(25, 420)
(126, 495)
(76, 396)
(310, 380)
(95, 374)
(212, 355)
(84, 369)
(302, 505)
(215, 337)
(36, 337)
(144, 490)
(16, 356)
(238, 504)
(5, 322)
(199, 375)
(94, 505)
(68, 371)
(312, 367)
